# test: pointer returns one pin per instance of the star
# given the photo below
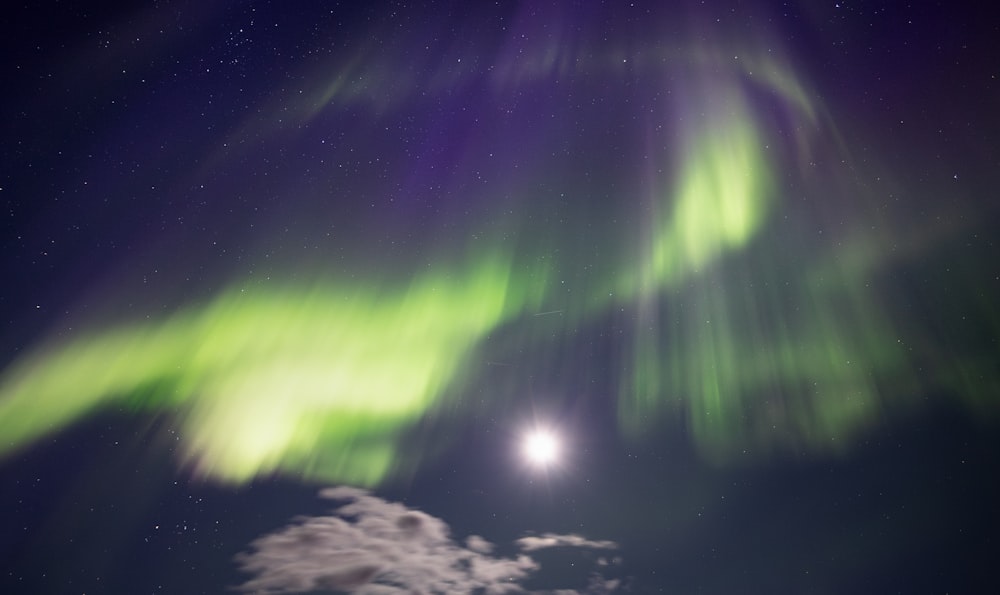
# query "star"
(541, 447)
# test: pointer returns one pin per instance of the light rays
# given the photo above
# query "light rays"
(747, 333)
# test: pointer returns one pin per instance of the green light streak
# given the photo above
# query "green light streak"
(748, 345)
(725, 341)
(317, 382)
(747, 374)
(721, 201)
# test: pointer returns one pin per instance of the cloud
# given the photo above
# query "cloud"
(532, 543)
(369, 546)
(478, 544)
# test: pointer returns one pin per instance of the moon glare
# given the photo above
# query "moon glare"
(541, 448)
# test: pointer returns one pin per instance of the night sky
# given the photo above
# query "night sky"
(288, 288)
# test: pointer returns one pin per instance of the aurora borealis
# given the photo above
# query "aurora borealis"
(266, 381)
(351, 244)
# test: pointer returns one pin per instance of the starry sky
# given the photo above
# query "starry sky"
(285, 288)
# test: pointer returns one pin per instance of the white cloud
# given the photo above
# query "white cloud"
(538, 542)
(369, 546)
(478, 544)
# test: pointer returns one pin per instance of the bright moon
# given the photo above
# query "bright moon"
(541, 448)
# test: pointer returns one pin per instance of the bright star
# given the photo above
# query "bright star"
(541, 448)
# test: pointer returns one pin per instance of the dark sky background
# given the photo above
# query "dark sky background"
(740, 256)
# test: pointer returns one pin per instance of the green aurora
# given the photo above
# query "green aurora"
(321, 380)
(315, 381)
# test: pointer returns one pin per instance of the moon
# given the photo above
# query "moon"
(541, 448)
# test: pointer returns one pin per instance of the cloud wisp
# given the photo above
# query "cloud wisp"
(547, 540)
(369, 546)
